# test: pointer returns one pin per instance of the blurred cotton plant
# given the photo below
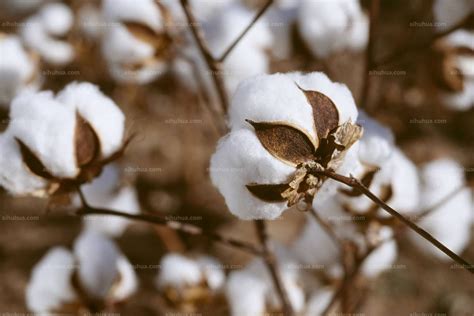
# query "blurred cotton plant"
(91, 278)
(55, 143)
(448, 13)
(190, 282)
(19, 69)
(46, 33)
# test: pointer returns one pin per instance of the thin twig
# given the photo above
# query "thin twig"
(271, 263)
(239, 38)
(422, 45)
(214, 66)
(354, 183)
(370, 52)
(179, 226)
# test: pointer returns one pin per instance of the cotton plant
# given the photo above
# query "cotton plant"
(106, 192)
(55, 143)
(448, 13)
(251, 291)
(92, 277)
(44, 33)
(190, 282)
(332, 26)
(454, 65)
(283, 127)
(137, 43)
(19, 69)
(451, 221)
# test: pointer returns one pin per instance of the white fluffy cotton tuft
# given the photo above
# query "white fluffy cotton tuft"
(447, 13)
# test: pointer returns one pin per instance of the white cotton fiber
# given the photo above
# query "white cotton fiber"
(141, 11)
(97, 257)
(382, 257)
(50, 283)
(39, 31)
(101, 112)
(46, 127)
(448, 13)
(240, 159)
(450, 222)
(128, 282)
(246, 294)
(331, 26)
(318, 301)
(178, 271)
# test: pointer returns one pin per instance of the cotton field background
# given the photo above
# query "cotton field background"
(236, 157)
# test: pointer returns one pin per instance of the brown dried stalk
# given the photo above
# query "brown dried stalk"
(369, 54)
(271, 263)
(356, 184)
(215, 67)
(186, 228)
(244, 32)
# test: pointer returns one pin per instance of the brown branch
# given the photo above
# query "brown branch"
(370, 52)
(215, 67)
(244, 32)
(271, 263)
(186, 228)
(356, 184)
(422, 45)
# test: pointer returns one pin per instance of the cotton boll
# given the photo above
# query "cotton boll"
(178, 271)
(448, 13)
(128, 283)
(14, 176)
(18, 69)
(330, 26)
(382, 257)
(377, 142)
(240, 159)
(97, 257)
(40, 30)
(450, 223)
(142, 11)
(281, 17)
(99, 111)
(318, 301)
(33, 118)
(212, 271)
(50, 283)
(245, 294)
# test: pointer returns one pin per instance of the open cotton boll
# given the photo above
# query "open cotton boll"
(450, 223)
(99, 111)
(277, 98)
(50, 284)
(143, 11)
(179, 272)
(240, 159)
(245, 294)
(128, 283)
(330, 26)
(212, 271)
(46, 127)
(40, 31)
(448, 13)
(382, 257)
(14, 176)
(97, 257)
(18, 69)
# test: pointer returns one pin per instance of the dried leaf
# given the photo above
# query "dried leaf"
(285, 142)
(325, 113)
(344, 137)
(87, 143)
(33, 162)
(268, 192)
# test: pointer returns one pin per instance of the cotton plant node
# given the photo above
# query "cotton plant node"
(296, 148)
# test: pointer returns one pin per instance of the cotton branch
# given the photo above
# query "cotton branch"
(356, 184)
(270, 261)
(369, 54)
(186, 228)
(421, 45)
(214, 66)
(239, 38)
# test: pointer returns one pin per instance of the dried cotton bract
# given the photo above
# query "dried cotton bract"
(189, 282)
(136, 44)
(95, 274)
(44, 33)
(54, 143)
(332, 26)
(283, 127)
